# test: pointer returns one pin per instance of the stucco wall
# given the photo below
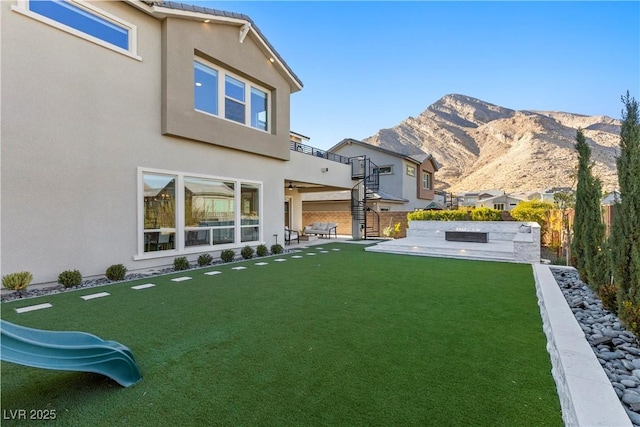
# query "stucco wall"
(78, 120)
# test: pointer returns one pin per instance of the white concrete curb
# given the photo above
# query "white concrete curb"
(586, 395)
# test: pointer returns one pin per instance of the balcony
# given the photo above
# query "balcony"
(312, 151)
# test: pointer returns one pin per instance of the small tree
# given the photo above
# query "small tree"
(533, 211)
(625, 236)
(589, 230)
(565, 201)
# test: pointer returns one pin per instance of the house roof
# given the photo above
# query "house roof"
(190, 11)
(418, 159)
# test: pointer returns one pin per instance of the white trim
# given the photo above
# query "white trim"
(22, 7)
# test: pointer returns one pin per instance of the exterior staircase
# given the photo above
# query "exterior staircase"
(366, 173)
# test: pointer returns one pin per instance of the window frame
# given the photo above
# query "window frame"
(430, 176)
(411, 170)
(179, 232)
(389, 172)
(23, 8)
(223, 97)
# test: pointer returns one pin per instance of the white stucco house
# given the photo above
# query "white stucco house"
(136, 131)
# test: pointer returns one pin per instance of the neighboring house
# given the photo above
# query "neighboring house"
(406, 182)
(503, 202)
(137, 131)
(470, 199)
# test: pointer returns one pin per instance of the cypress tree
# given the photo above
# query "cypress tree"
(588, 229)
(625, 236)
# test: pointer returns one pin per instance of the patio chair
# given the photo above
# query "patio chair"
(290, 235)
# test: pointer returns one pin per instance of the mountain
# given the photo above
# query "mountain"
(482, 145)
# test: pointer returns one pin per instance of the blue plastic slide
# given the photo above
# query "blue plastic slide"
(68, 351)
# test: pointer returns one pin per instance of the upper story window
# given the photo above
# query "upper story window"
(426, 180)
(385, 170)
(83, 20)
(411, 171)
(220, 93)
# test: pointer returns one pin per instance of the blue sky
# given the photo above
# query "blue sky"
(369, 65)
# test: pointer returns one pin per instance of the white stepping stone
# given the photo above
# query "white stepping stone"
(181, 279)
(213, 273)
(311, 253)
(239, 268)
(297, 256)
(145, 286)
(94, 296)
(324, 252)
(262, 263)
(335, 249)
(280, 260)
(33, 308)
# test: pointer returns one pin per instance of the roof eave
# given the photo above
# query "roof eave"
(162, 12)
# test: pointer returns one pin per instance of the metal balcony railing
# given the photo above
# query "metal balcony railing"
(312, 151)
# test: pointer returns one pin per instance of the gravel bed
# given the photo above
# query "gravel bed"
(616, 349)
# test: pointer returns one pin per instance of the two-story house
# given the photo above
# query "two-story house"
(405, 183)
(137, 131)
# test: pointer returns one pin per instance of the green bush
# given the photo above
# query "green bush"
(486, 214)
(227, 255)
(630, 316)
(17, 281)
(204, 259)
(70, 278)
(277, 249)
(533, 211)
(262, 250)
(116, 272)
(609, 297)
(247, 252)
(180, 263)
(454, 215)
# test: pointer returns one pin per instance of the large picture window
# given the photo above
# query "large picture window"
(83, 19)
(218, 92)
(212, 212)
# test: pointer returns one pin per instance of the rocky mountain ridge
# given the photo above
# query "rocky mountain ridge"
(481, 145)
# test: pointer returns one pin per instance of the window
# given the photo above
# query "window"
(206, 88)
(83, 20)
(258, 109)
(426, 180)
(213, 212)
(234, 99)
(384, 170)
(498, 206)
(159, 212)
(243, 102)
(411, 171)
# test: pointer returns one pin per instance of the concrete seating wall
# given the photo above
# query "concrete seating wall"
(525, 237)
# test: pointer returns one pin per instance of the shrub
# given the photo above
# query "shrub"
(180, 263)
(204, 259)
(277, 249)
(70, 278)
(486, 214)
(455, 215)
(533, 211)
(17, 281)
(227, 255)
(116, 272)
(247, 252)
(609, 296)
(262, 250)
(630, 316)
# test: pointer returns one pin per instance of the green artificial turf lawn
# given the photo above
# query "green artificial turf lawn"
(346, 337)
